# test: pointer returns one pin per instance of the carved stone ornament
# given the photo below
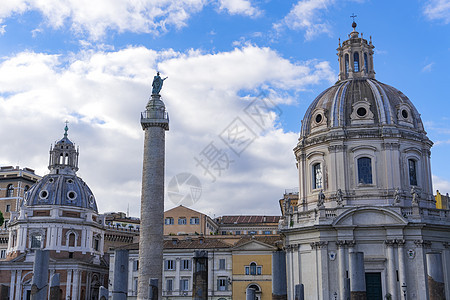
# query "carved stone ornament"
(332, 255)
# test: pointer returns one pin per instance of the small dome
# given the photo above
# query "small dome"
(360, 102)
(68, 190)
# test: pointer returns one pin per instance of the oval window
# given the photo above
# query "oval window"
(405, 114)
(71, 195)
(361, 111)
(318, 118)
(43, 194)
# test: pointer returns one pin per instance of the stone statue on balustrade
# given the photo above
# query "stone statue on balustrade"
(321, 199)
(339, 198)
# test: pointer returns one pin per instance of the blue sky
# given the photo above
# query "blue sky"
(92, 63)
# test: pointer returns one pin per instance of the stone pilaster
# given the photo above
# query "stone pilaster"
(391, 270)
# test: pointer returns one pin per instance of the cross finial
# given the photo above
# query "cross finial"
(66, 129)
(353, 16)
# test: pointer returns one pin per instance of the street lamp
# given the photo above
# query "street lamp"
(404, 290)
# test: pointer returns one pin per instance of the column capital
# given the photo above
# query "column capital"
(350, 243)
(422, 243)
(390, 243)
(340, 243)
(400, 242)
(319, 245)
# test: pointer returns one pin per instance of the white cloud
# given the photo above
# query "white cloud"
(2, 29)
(103, 93)
(442, 185)
(305, 15)
(240, 7)
(438, 10)
(95, 18)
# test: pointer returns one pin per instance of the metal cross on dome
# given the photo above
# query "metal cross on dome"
(353, 16)
(66, 128)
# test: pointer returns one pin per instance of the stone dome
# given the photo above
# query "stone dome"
(62, 186)
(360, 102)
(61, 189)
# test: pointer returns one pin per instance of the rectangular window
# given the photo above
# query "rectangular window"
(195, 221)
(222, 284)
(412, 172)
(364, 170)
(238, 232)
(8, 208)
(252, 232)
(168, 221)
(135, 265)
(182, 221)
(222, 264)
(169, 285)
(3, 253)
(36, 240)
(247, 270)
(223, 232)
(258, 270)
(185, 264)
(96, 244)
(317, 176)
(169, 265)
(184, 284)
(267, 232)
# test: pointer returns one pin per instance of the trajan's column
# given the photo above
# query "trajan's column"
(155, 122)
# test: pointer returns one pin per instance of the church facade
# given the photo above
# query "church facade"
(366, 222)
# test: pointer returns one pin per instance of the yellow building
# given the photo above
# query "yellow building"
(252, 266)
(185, 221)
(441, 201)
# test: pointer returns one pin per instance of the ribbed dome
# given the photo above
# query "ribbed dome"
(57, 189)
(360, 102)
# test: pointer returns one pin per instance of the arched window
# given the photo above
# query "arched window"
(253, 268)
(364, 170)
(71, 240)
(366, 63)
(347, 63)
(9, 191)
(412, 170)
(27, 187)
(355, 62)
(317, 176)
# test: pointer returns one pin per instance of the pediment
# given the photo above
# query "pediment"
(369, 216)
(255, 246)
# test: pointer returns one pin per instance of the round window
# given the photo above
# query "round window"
(71, 195)
(91, 199)
(51, 180)
(361, 111)
(318, 118)
(405, 114)
(43, 194)
(69, 181)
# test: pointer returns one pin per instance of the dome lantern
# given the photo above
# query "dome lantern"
(355, 57)
(63, 156)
